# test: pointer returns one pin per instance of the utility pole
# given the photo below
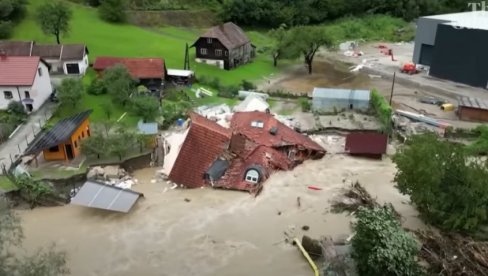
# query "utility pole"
(186, 66)
(392, 87)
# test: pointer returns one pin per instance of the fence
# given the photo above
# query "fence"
(22, 137)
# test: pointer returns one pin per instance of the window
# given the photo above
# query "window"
(76, 144)
(252, 176)
(39, 71)
(27, 94)
(209, 40)
(226, 53)
(82, 134)
(291, 154)
(218, 52)
(203, 51)
(88, 132)
(54, 149)
(8, 95)
(258, 124)
(86, 61)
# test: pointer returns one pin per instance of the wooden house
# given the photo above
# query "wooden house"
(226, 46)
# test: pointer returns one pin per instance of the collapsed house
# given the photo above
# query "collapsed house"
(241, 157)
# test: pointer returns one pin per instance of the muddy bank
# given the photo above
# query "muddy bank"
(217, 232)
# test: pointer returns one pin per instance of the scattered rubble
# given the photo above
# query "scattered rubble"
(452, 254)
(354, 197)
(111, 175)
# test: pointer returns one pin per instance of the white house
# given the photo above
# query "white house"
(66, 59)
(24, 79)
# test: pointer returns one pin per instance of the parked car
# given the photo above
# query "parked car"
(432, 100)
(54, 96)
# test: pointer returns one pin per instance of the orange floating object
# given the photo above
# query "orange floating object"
(315, 188)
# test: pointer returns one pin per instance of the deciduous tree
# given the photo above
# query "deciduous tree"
(278, 47)
(119, 83)
(54, 18)
(10, 11)
(95, 145)
(449, 188)
(70, 91)
(146, 107)
(305, 41)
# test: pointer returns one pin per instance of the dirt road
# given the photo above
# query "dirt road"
(217, 232)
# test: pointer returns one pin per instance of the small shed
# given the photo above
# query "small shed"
(180, 76)
(472, 109)
(336, 99)
(367, 144)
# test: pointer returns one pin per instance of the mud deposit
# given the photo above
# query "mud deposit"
(217, 232)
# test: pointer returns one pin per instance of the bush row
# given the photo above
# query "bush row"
(382, 109)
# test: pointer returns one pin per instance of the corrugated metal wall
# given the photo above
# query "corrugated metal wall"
(327, 105)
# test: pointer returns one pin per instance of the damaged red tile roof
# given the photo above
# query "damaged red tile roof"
(205, 141)
(241, 122)
(268, 159)
(140, 68)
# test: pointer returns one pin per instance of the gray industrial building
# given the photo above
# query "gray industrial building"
(454, 46)
(336, 99)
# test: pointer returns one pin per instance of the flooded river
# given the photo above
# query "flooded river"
(217, 232)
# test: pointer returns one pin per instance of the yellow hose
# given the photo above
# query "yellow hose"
(310, 261)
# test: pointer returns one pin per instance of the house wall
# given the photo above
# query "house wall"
(461, 55)
(321, 104)
(229, 59)
(58, 155)
(39, 91)
(425, 34)
(82, 65)
(78, 135)
(472, 114)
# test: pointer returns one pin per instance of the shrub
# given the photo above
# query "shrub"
(215, 83)
(114, 11)
(382, 109)
(305, 104)
(381, 246)
(247, 85)
(16, 108)
(228, 91)
(97, 87)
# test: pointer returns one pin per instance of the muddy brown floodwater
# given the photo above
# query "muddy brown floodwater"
(218, 232)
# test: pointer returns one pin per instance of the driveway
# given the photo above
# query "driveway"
(18, 142)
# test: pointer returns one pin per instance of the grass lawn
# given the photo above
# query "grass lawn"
(56, 173)
(6, 185)
(96, 103)
(131, 41)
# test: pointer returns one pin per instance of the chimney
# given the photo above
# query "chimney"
(3, 54)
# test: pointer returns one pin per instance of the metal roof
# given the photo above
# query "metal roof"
(102, 196)
(472, 102)
(180, 73)
(58, 134)
(147, 128)
(469, 20)
(338, 93)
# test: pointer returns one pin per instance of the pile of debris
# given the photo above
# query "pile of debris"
(112, 175)
(452, 254)
(354, 197)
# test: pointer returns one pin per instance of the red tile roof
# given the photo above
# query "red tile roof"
(266, 158)
(285, 136)
(19, 71)
(205, 141)
(140, 68)
(368, 143)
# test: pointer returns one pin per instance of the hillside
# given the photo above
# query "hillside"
(131, 41)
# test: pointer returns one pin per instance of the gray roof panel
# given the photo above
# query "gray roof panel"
(473, 102)
(102, 196)
(338, 93)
